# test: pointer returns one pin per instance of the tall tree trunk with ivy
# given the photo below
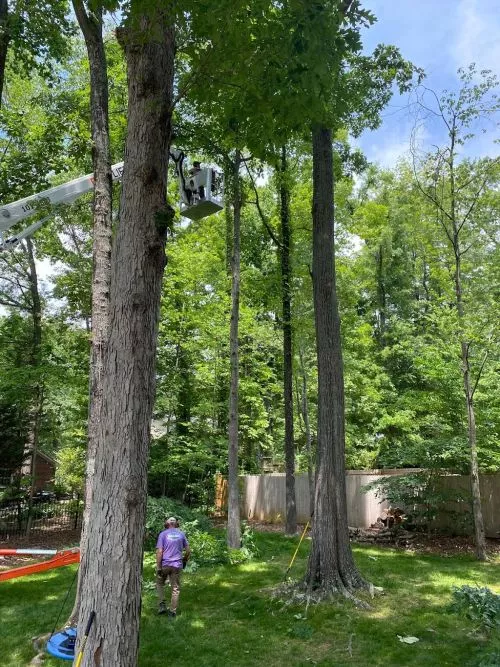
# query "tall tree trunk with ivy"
(111, 584)
(36, 380)
(233, 496)
(286, 298)
(304, 407)
(91, 25)
(331, 566)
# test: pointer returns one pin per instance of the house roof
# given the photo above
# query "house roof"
(47, 458)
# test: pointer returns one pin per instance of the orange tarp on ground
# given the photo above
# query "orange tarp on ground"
(63, 558)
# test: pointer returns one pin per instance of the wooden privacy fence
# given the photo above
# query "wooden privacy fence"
(263, 497)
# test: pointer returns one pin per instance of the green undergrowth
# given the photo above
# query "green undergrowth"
(228, 617)
(208, 545)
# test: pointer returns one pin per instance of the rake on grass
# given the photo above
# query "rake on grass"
(296, 550)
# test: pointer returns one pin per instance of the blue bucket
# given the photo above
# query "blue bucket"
(62, 644)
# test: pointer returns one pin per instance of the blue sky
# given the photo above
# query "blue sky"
(439, 36)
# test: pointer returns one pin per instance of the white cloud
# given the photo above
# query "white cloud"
(391, 143)
(476, 34)
(388, 153)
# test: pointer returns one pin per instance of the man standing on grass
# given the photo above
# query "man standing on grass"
(172, 553)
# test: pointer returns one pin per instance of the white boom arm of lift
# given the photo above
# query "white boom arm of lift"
(66, 193)
(201, 193)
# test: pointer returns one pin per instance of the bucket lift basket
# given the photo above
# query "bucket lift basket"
(201, 190)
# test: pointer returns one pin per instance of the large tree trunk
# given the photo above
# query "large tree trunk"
(233, 496)
(184, 396)
(307, 427)
(381, 295)
(91, 26)
(477, 513)
(4, 42)
(285, 246)
(111, 584)
(331, 565)
(35, 417)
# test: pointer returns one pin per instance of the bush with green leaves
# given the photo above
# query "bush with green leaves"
(159, 509)
(491, 659)
(208, 546)
(423, 499)
(479, 604)
(248, 544)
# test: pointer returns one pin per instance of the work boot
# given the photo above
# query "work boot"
(162, 609)
(171, 614)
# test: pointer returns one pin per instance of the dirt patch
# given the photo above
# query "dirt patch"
(44, 540)
(439, 545)
(450, 546)
(38, 540)
(219, 522)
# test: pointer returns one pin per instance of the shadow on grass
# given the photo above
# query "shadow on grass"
(227, 616)
(232, 620)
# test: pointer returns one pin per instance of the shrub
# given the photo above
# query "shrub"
(208, 547)
(479, 605)
(160, 509)
(423, 500)
(248, 545)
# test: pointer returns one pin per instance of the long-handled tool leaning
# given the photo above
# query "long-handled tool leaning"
(297, 549)
(85, 637)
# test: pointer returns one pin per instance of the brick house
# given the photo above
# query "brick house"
(45, 468)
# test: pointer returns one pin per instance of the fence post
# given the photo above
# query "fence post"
(19, 515)
(77, 511)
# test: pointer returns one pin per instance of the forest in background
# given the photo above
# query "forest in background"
(237, 350)
(395, 271)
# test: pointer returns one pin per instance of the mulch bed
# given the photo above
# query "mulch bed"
(450, 546)
(37, 540)
(440, 545)
(435, 544)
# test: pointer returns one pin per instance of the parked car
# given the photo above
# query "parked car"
(44, 497)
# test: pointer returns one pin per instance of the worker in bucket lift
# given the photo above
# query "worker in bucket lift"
(194, 173)
(172, 554)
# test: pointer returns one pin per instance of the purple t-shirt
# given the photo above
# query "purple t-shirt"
(172, 541)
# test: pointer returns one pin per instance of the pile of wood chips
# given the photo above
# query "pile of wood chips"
(388, 529)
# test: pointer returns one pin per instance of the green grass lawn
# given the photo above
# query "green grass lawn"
(228, 618)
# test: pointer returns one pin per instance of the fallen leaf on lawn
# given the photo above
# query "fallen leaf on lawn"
(408, 640)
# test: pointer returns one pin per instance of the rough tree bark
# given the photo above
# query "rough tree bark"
(36, 381)
(307, 427)
(233, 504)
(111, 584)
(331, 566)
(283, 246)
(92, 28)
(284, 251)
(381, 296)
